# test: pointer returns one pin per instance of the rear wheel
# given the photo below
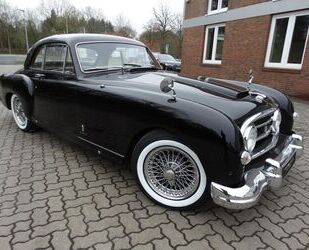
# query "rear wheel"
(169, 172)
(19, 115)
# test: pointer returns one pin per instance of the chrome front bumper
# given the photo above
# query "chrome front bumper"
(268, 176)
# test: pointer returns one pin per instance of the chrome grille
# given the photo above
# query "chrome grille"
(267, 138)
(264, 127)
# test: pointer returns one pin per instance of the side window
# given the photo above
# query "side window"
(55, 57)
(69, 66)
(37, 63)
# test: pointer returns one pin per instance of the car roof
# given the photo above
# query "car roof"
(73, 39)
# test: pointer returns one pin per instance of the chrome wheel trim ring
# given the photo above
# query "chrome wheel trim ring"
(18, 112)
(196, 190)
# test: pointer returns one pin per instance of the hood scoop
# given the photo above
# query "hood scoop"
(229, 88)
(234, 87)
(217, 87)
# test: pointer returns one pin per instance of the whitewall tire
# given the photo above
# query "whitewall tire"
(170, 173)
(21, 120)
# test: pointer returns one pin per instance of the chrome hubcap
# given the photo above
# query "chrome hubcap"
(171, 173)
(19, 112)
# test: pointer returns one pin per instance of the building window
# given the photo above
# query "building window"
(287, 40)
(216, 6)
(214, 39)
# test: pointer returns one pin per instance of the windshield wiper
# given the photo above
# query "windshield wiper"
(136, 67)
(103, 69)
(132, 64)
(141, 68)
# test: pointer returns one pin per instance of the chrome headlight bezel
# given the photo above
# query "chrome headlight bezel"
(250, 138)
(248, 133)
(277, 119)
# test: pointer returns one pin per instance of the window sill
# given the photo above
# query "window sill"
(282, 70)
(216, 12)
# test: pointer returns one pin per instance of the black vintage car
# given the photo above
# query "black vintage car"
(185, 139)
(168, 62)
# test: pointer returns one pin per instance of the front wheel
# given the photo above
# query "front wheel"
(19, 115)
(169, 172)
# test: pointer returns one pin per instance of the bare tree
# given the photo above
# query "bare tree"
(150, 33)
(123, 26)
(6, 20)
(90, 12)
(163, 22)
(60, 7)
(178, 30)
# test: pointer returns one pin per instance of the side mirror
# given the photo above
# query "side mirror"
(167, 85)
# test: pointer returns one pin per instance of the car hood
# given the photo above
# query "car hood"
(228, 97)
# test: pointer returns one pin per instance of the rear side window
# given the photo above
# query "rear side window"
(55, 57)
(39, 59)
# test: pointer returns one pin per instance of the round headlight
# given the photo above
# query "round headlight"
(277, 118)
(250, 137)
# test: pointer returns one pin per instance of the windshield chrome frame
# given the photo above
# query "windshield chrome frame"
(94, 42)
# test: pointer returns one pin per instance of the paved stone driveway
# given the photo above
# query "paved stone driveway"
(56, 195)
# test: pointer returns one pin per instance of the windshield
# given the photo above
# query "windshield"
(166, 58)
(100, 56)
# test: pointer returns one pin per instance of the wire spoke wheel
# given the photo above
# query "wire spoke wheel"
(18, 112)
(171, 173)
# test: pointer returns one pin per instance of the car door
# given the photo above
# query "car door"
(54, 84)
(98, 108)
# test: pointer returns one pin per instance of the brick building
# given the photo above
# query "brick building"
(227, 38)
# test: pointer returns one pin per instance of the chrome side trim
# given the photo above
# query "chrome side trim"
(106, 149)
(268, 176)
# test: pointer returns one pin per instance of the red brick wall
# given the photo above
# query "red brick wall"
(242, 3)
(244, 49)
(196, 8)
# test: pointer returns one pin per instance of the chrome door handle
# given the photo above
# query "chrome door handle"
(39, 75)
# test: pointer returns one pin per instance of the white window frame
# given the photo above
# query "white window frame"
(287, 42)
(214, 46)
(220, 9)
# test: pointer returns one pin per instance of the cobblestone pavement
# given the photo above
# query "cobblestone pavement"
(55, 195)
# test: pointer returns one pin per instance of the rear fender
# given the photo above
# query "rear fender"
(18, 84)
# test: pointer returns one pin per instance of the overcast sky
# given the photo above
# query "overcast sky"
(137, 11)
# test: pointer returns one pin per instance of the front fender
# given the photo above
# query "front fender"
(18, 84)
(214, 137)
(132, 112)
